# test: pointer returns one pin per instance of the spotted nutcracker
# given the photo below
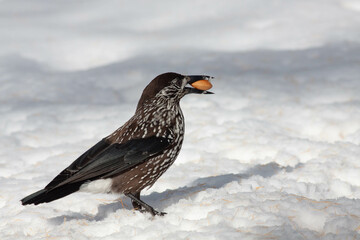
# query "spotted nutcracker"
(136, 154)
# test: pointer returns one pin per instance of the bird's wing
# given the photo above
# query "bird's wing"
(104, 160)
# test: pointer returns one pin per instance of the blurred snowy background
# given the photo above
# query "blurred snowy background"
(274, 154)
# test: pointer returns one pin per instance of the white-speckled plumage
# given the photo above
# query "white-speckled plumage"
(159, 117)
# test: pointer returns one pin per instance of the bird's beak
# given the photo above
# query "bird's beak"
(199, 84)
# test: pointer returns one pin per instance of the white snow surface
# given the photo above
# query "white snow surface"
(273, 154)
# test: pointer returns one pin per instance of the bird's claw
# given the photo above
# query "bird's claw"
(159, 213)
(152, 211)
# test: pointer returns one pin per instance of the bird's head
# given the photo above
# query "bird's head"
(171, 87)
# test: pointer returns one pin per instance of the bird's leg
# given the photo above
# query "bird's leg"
(143, 206)
(135, 204)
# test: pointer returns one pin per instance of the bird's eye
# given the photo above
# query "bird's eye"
(181, 82)
(176, 82)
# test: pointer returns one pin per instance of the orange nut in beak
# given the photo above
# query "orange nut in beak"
(202, 85)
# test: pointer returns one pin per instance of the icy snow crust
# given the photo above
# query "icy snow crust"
(274, 154)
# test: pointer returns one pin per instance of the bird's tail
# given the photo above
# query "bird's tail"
(45, 195)
(34, 198)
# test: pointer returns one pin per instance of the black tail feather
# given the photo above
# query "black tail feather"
(44, 195)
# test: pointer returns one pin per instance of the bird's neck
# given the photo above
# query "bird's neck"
(162, 116)
(160, 110)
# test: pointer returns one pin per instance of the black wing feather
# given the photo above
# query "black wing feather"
(107, 161)
(79, 163)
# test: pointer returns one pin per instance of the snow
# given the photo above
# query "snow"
(97, 186)
(273, 154)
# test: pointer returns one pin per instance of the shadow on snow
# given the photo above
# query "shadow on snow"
(167, 198)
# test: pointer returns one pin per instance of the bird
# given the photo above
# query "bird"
(135, 155)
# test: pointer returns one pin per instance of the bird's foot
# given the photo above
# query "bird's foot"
(151, 210)
(160, 213)
(143, 207)
(154, 213)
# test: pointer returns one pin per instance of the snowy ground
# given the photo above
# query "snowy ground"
(274, 154)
